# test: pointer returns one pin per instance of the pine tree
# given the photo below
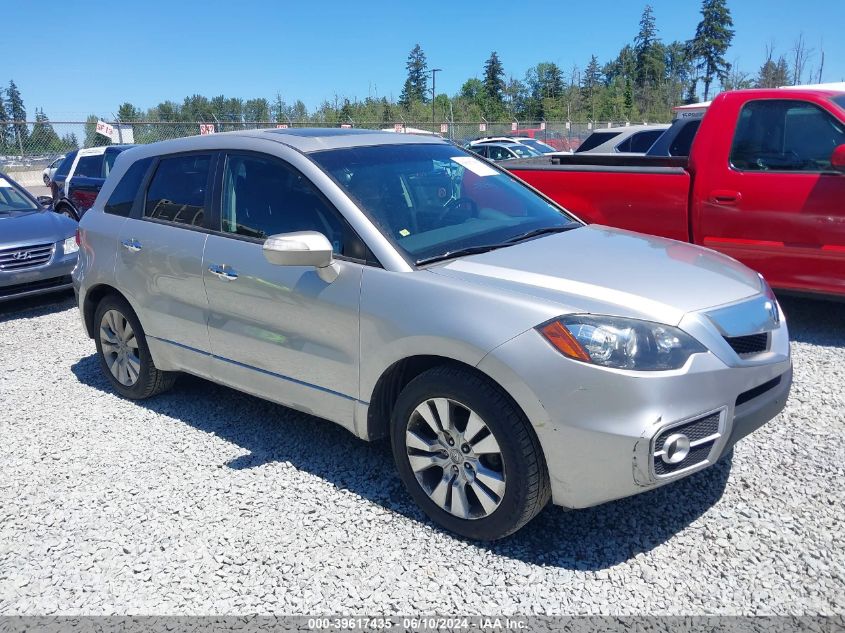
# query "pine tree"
(127, 113)
(712, 39)
(591, 84)
(17, 113)
(44, 137)
(4, 130)
(494, 78)
(416, 85)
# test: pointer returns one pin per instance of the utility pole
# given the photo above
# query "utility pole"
(434, 72)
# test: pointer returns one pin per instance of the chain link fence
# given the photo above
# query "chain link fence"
(27, 148)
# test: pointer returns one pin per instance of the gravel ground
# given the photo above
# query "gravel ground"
(207, 501)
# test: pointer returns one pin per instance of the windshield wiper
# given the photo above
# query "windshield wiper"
(460, 252)
(543, 231)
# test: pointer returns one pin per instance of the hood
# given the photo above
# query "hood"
(602, 270)
(37, 227)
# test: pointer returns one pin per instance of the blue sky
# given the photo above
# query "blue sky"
(77, 58)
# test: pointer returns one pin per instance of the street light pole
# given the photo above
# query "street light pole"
(434, 72)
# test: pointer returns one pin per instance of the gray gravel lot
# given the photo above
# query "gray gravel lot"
(207, 501)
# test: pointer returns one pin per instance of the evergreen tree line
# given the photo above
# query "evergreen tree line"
(643, 82)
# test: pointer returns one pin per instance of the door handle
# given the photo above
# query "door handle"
(725, 197)
(223, 272)
(131, 245)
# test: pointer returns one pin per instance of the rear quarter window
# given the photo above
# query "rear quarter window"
(121, 199)
(90, 166)
(595, 139)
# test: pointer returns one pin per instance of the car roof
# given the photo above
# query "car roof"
(305, 140)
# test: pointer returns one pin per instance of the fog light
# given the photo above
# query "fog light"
(675, 448)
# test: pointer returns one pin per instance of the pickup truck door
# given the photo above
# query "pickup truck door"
(281, 332)
(775, 203)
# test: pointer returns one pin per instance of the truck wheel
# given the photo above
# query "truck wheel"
(124, 355)
(67, 212)
(467, 454)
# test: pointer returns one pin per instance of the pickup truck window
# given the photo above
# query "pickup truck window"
(64, 166)
(177, 190)
(90, 166)
(785, 135)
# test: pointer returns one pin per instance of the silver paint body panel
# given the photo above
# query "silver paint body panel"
(284, 334)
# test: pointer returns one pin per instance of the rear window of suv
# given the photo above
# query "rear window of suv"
(121, 199)
(90, 166)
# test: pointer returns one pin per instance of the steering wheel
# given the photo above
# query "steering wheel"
(466, 207)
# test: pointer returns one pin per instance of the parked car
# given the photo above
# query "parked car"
(503, 151)
(401, 287)
(49, 170)
(79, 177)
(537, 146)
(559, 141)
(764, 183)
(631, 139)
(38, 248)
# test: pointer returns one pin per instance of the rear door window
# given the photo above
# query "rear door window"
(785, 135)
(90, 166)
(64, 166)
(639, 142)
(121, 199)
(595, 139)
(177, 191)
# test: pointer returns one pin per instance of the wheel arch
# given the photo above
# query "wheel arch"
(92, 299)
(393, 379)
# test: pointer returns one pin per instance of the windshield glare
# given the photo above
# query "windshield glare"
(538, 146)
(12, 200)
(434, 199)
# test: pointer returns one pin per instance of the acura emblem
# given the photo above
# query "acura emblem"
(21, 255)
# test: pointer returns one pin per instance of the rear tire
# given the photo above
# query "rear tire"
(123, 352)
(46, 179)
(478, 469)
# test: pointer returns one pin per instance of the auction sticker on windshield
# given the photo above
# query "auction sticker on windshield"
(475, 166)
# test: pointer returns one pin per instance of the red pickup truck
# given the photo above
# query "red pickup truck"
(764, 183)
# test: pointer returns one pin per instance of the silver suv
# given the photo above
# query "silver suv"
(402, 287)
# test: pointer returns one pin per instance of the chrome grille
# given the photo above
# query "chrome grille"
(751, 344)
(703, 433)
(23, 257)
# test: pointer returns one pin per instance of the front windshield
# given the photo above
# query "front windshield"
(539, 146)
(12, 200)
(433, 199)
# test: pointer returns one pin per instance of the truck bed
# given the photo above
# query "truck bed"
(649, 194)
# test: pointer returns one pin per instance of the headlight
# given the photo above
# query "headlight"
(70, 246)
(621, 343)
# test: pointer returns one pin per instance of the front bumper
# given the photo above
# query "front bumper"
(599, 427)
(53, 276)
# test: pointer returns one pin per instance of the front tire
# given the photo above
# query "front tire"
(46, 179)
(123, 352)
(467, 454)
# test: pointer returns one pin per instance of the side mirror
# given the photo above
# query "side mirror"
(303, 248)
(45, 201)
(837, 159)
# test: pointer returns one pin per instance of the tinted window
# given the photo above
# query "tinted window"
(639, 142)
(481, 150)
(121, 199)
(498, 153)
(90, 166)
(785, 135)
(840, 101)
(595, 139)
(682, 144)
(64, 166)
(264, 196)
(177, 190)
(108, 161)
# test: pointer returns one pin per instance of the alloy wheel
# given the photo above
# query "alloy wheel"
(455, 458)
(120, 348)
